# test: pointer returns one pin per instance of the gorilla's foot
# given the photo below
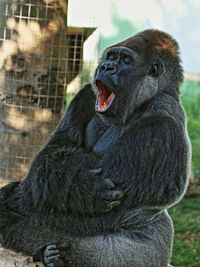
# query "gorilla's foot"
(52, 256)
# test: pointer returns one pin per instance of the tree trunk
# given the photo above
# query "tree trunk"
(9, 258)
(33, 78)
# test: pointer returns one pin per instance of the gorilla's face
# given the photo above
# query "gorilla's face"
(124, 80)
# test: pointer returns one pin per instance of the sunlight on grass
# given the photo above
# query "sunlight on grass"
(186, 218)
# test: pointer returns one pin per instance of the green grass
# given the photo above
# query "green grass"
(190, 95)
(186, 218)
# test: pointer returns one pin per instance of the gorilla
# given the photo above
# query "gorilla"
(97, 193)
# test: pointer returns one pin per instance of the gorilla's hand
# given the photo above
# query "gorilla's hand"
(107, 196)
(54, 255)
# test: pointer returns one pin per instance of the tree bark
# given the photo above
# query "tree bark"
(9, 258)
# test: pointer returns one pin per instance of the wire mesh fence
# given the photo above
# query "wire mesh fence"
(39, 56)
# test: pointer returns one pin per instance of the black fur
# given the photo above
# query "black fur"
(96, 193)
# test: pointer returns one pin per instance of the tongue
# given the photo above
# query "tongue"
(103, 103)
(105, 96)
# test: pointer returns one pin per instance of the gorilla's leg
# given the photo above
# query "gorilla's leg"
(147, 246)
(29, 239)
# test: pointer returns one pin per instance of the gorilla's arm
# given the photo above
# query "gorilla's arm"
(149, 163)
(71, 128)
(53, 167)
(8, 215)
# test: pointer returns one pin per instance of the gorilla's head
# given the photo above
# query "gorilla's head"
(134, 71)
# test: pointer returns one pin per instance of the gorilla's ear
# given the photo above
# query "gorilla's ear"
(157, 68)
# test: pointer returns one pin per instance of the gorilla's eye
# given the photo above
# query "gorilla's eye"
(111, 56)
(127, 60)
(154, 70)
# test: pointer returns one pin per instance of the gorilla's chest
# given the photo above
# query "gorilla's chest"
(99, 137)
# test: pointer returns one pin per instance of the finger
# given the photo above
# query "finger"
(95, 171)
(111, 205)
(108, 184)
(52, 252)
(50, 247)
(111, 194)
(104, 184)
(51, 259)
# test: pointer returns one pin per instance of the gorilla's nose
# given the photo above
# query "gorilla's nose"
(108, 67)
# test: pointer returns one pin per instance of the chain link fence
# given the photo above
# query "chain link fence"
(39, 57)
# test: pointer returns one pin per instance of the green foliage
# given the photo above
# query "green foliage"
(186, 215)
(85, 76)
(69, 98)
(124, 28)
(186, 218)
(191, 102)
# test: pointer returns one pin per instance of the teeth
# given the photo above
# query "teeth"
(110, 98)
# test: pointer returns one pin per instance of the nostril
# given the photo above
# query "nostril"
(103, 67)
(107, 67)
(110, 68)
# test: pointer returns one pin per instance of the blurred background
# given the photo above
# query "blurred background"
(50, 48)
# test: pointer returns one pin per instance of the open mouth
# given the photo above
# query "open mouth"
(105, 97)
